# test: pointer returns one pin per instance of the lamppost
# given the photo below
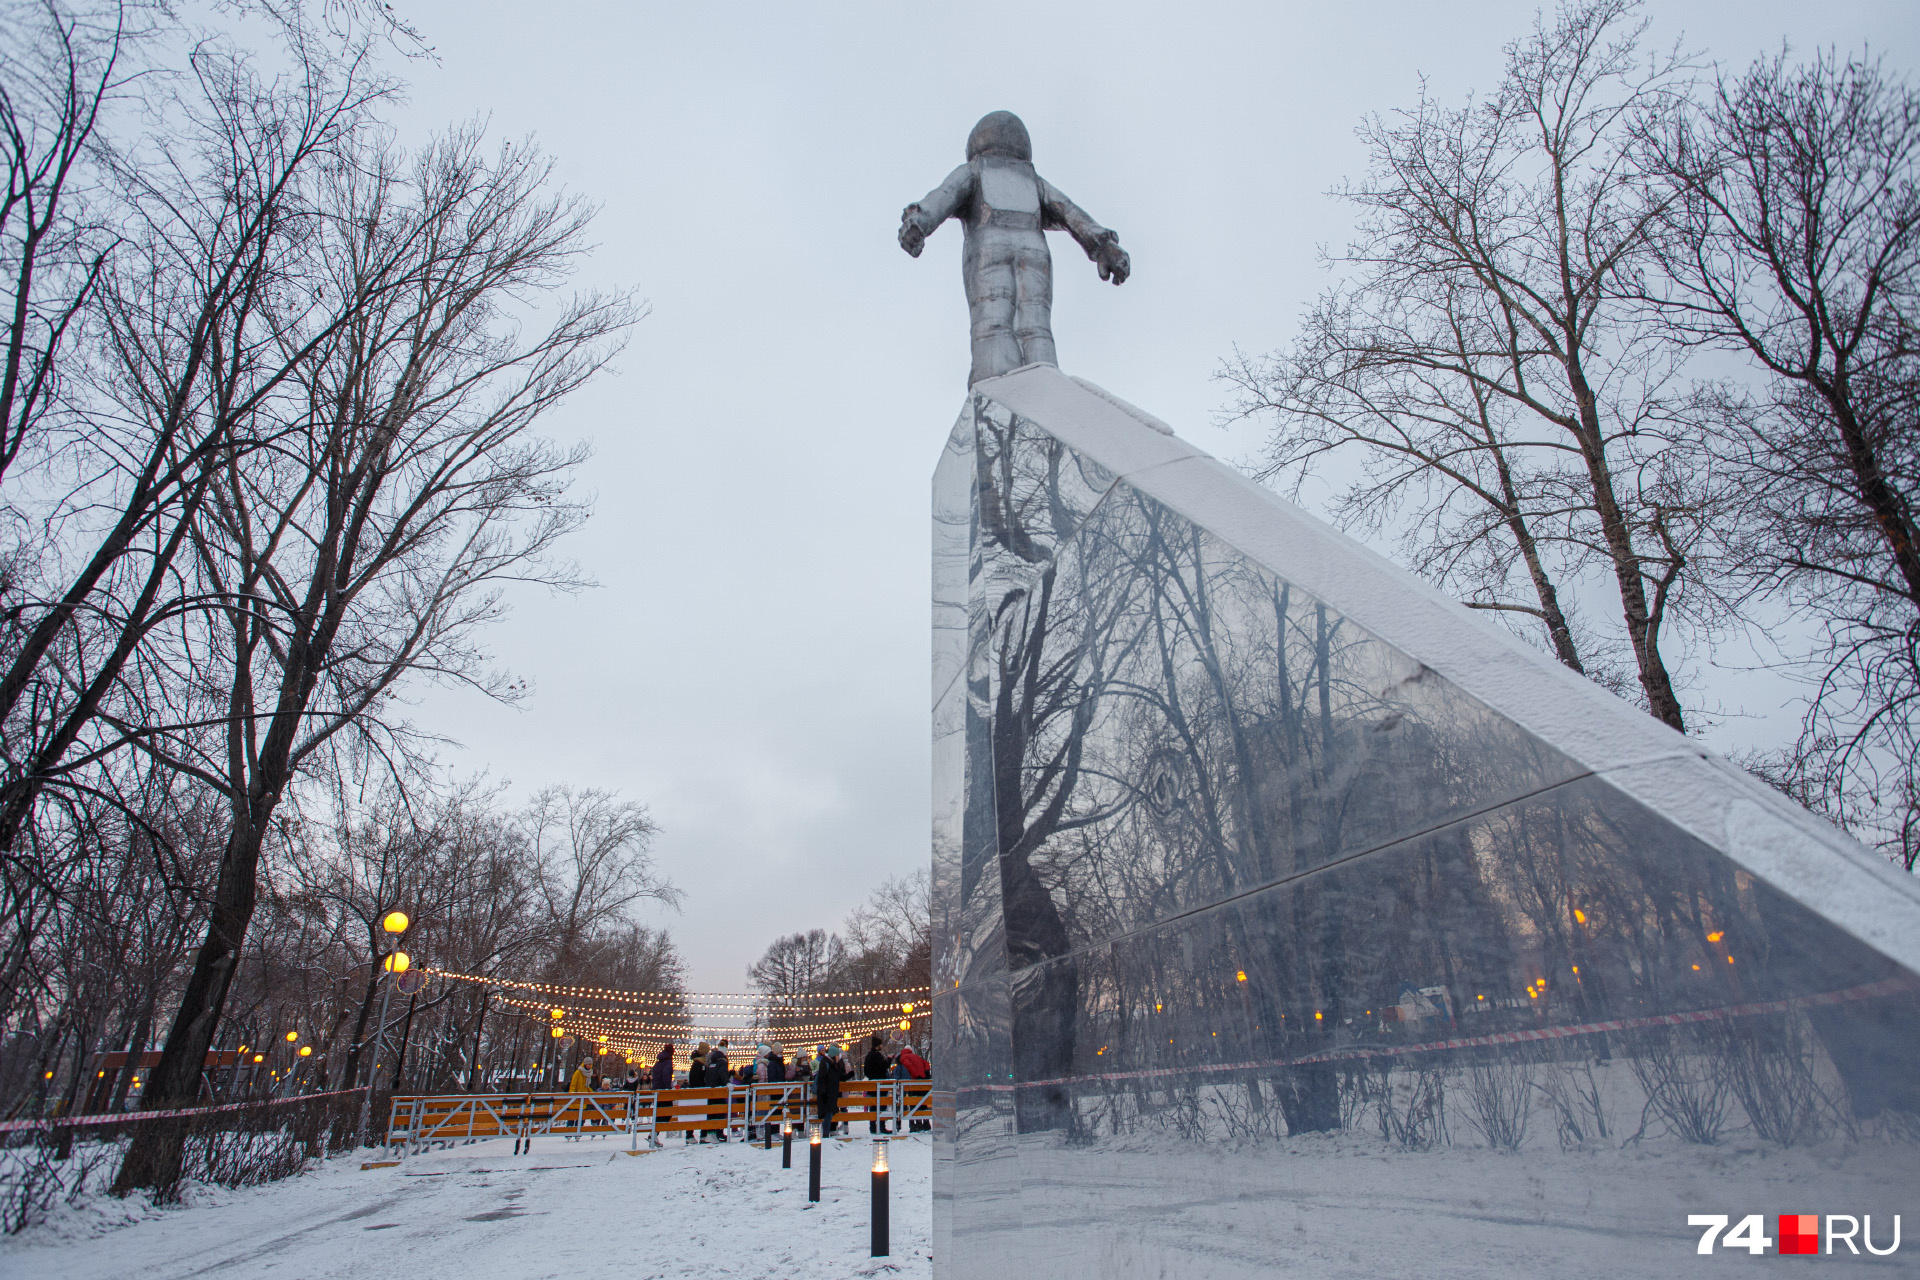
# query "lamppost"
(881, 1244)
(395, 963)
(813, 1161)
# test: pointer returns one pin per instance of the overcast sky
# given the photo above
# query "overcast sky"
(754, 664)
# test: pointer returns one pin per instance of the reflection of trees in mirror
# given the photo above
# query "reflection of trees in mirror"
(1233, 830)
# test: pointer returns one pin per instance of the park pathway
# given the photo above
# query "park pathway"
(478, 1212)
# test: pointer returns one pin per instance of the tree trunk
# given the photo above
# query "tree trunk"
(1642, 628)
(136, 1046)
(1889, 514)
(473, 1069)
(1558, 630)
(400, 1058)
(351, 1075)
(154, 1157)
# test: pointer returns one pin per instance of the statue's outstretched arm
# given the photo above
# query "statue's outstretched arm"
(1102, 245)
(917, 221)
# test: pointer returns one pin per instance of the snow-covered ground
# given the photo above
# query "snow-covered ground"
(480, 1212)
(1347, 1206)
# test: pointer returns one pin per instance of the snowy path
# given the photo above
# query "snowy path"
(481, 1213)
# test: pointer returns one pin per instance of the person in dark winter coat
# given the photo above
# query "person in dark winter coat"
(662, 1077)
(717, 1077)
(826, 1089)
(875, 1067)
(776, 1066)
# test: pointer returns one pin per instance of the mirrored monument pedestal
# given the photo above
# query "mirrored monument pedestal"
(1290, 916)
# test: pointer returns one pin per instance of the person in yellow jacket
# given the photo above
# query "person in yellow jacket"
(579, 1083)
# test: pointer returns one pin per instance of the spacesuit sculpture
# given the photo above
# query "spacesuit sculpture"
(1008, 209)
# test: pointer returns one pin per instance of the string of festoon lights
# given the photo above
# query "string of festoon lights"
(680, 1029)
(629, 1022)
(739, 998)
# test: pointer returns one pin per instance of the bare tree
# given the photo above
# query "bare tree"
(795, 965)
(1485, 354)
(202, 320)
(1488, 496)
(59, 69)
(895, 925)
(371, 544)
(591, 857)
(1796, 241)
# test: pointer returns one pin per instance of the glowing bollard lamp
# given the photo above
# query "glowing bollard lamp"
(786, 1144)
(879, 1197)
(813, 1161)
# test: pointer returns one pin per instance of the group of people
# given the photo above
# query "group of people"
(826, 1066)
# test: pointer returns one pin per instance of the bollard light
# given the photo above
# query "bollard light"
(786, 1144)
(813, 1161)
(880, 1242)
(395, 922)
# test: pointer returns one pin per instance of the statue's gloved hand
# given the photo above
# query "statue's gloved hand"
(1112, 260)
(912, 238)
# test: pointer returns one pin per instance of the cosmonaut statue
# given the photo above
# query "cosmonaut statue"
(1008, 209)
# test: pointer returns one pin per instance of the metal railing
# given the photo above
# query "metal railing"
(418, 1123)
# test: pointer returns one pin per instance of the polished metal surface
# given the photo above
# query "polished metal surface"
(1258, 943)
(1007, 208)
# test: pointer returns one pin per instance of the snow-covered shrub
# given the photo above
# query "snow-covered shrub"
(1500, 1101)
(1769, 1066)
(1582, 1113)
(1410, 1107)
(1686, 1086)
(37, 1171)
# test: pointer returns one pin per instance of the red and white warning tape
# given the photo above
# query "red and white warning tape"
(133, 1117)
(1867, 991)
